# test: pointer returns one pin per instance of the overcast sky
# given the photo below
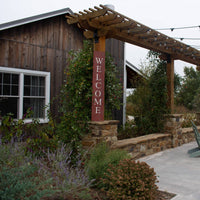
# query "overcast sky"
(153, 13)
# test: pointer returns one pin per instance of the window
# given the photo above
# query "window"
(24, 89)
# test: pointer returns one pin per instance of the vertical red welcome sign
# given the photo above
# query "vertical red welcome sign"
(98, 86)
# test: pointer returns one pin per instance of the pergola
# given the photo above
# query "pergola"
(102, 22)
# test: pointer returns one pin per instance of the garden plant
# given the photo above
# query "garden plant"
(47, 162)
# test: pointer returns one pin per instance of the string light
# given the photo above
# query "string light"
(182, 38)
(172, 29)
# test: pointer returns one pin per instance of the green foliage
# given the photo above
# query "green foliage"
(76, 95)
(129, 131)
(52, 173)
(130, 180)
(196, 101)
(21, 183)
(190, 90)
(13, 129)
(38, 137)
(100, 159)
(42, 142)
(150, 98)
(43, 138)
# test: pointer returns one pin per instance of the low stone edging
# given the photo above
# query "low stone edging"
(153, 143)
(144, 145)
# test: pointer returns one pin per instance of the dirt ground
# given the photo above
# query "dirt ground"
(161, 195)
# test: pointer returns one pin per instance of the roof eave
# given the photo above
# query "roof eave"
(35, 18)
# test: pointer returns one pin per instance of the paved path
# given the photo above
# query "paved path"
(177, 172)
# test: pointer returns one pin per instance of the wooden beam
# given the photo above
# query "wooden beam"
(101, 44)
(170, 84)
(125, 37)
(113, 24)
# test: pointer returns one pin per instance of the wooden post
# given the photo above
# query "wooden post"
(98, 79)
(170, 84)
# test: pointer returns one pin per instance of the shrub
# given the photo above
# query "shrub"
(38, 137)
(16, 129)
(149, 99)
(130, 180)
(21, 183)
(129, 131)
(189, 91)
(42, 142)
(100, 158)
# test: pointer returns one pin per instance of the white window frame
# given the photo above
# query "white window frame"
(21, 73)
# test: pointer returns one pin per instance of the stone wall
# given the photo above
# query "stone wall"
(173, 136)
(153, 143)
(144, 145)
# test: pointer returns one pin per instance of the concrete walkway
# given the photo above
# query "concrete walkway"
(177, 172)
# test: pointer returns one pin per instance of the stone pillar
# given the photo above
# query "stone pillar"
(173, 126)
(101, 131)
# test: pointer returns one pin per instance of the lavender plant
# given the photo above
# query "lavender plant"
(69, 178)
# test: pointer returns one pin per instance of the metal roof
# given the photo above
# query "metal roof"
(103, 21)
(134, 75)
(134, 68)
(35, 18)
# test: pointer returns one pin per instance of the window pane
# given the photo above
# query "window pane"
(34, 91)
(41, 91)
(41, 81)
(26, 91)
(27, 80)
(14, 90)
(32, 85)
(15, 79)
(37, 106)
(8, 105)
(6, 90)
(9, 84)
(35, 80)
(6, 78)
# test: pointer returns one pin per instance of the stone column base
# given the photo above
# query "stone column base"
(173, 127)
(101, 131)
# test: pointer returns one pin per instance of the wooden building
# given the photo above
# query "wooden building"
(33, 57)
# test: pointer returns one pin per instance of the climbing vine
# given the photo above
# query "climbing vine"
(76, 93)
